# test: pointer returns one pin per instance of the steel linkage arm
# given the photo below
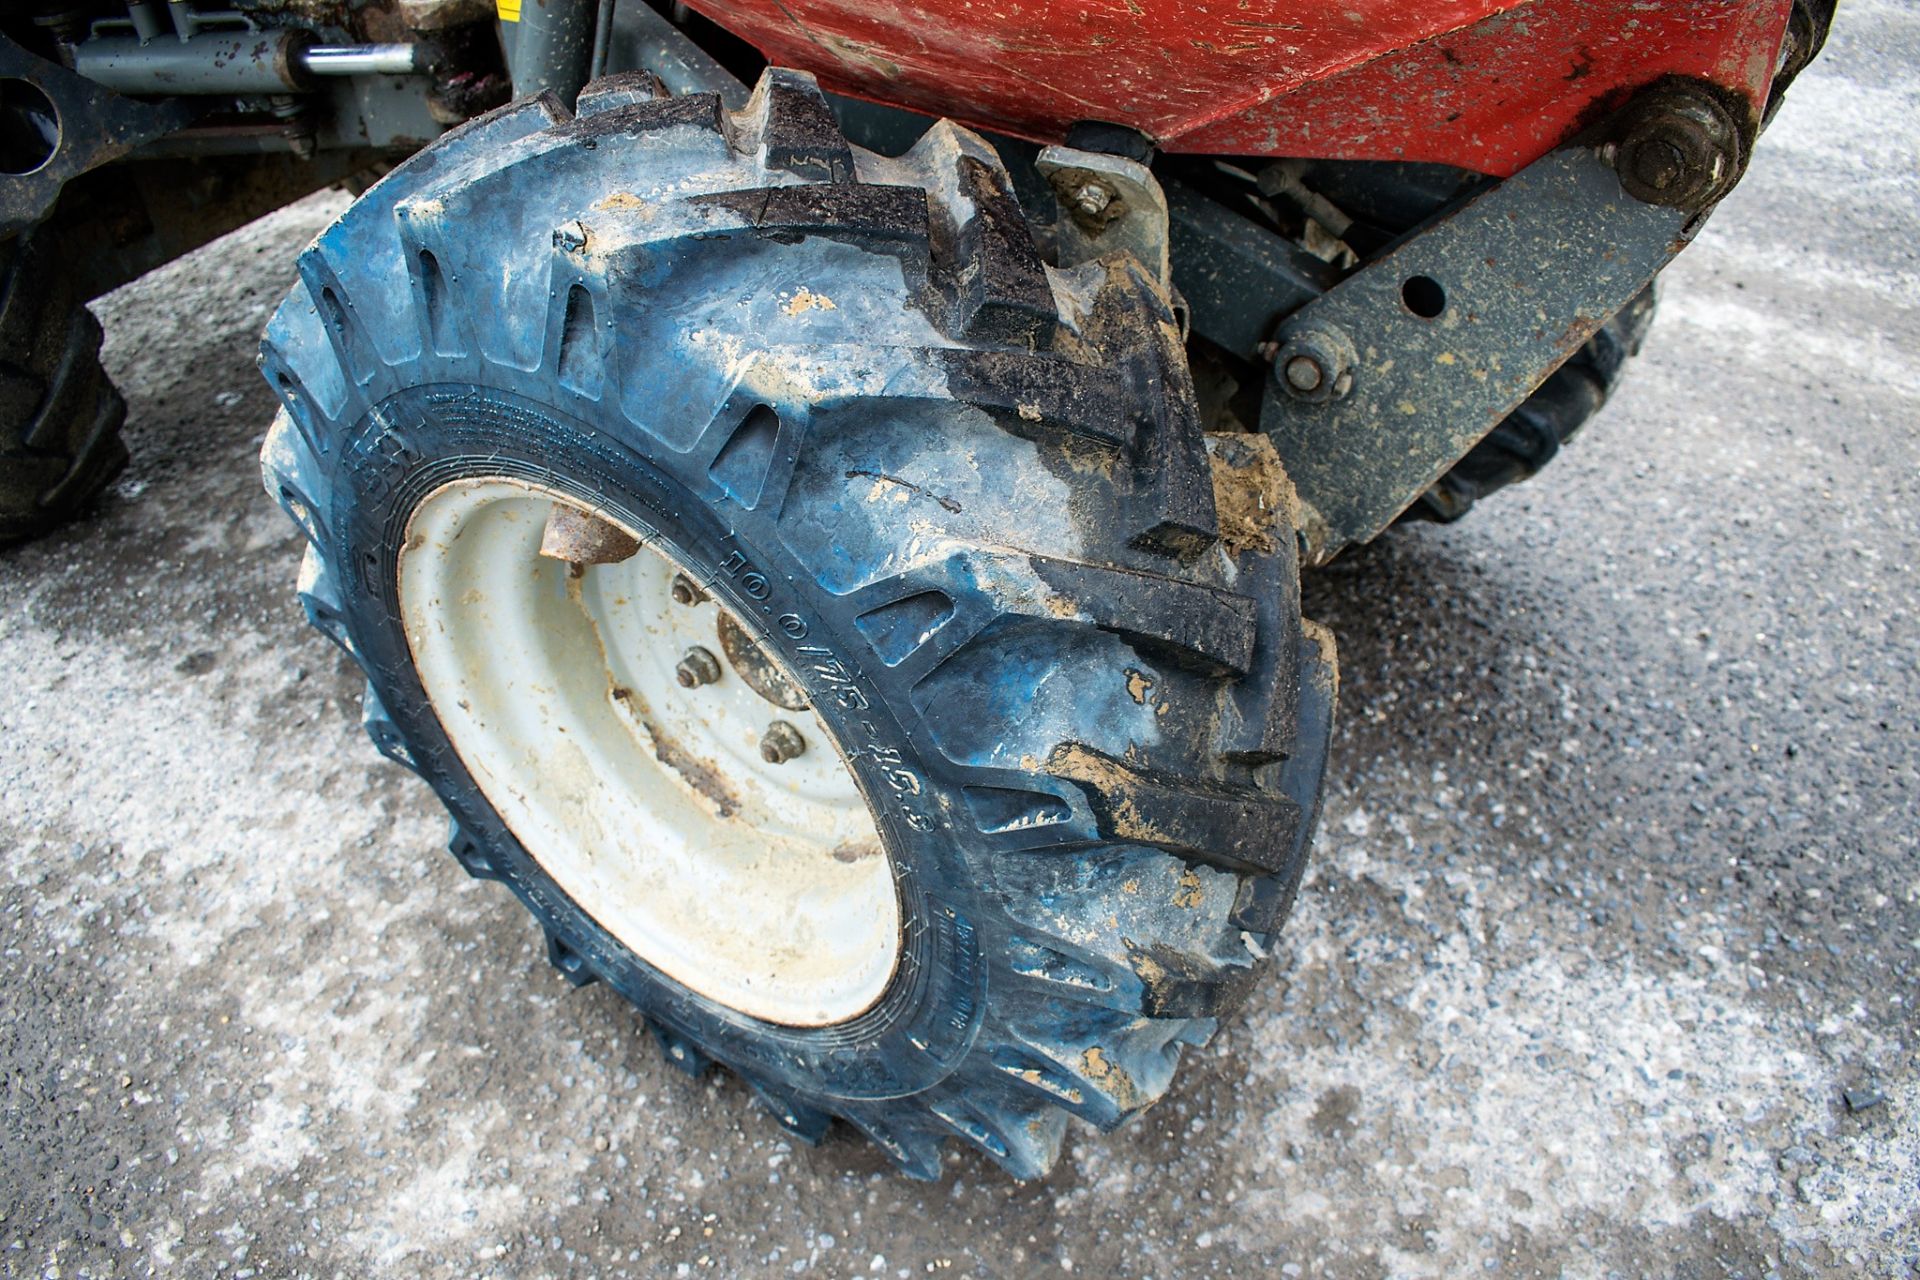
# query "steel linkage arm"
(1390, 377)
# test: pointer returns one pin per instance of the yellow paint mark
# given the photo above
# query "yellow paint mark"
(807, 300)
(509, 10)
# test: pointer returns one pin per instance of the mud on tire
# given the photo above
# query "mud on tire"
(959, 494)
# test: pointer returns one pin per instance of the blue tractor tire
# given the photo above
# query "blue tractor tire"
(959, 496)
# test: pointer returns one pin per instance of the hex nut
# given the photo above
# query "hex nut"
(781, 743)
(1092, 199)
(685, 591)
(1679, 147)
(698, 667)
(1087, 198)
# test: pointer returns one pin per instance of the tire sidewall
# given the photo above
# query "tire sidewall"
(420, 439)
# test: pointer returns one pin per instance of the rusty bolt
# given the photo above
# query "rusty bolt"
(1304, 374)
(684, 591)
(697, 668)
(1657, 164)
(781, 743)
(1678, 146)
(1092, 202)
(1092, 198)
(1315, 364)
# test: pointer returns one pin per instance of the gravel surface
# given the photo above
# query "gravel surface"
(1605, 964)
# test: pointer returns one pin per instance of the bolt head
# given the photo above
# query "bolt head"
(1316, 363)
(1658, 164)
(1304, 373)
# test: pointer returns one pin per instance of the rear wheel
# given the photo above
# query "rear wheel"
(59, 415)
(814, 607)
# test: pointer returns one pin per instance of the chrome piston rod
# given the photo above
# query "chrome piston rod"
(233, 62)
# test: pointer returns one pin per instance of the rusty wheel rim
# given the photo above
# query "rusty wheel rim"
(647, 753)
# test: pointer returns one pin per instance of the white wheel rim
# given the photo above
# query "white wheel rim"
(764, 887)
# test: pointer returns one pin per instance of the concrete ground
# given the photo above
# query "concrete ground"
(1605, 966)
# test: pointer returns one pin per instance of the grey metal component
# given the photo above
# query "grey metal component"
(248, 138)
(1283, 178)
(643, 40)
(1238, 278)
(145, 16)
(393, 113)
(80, 124)
(1455, 328)
(215, 62)
(1110, 205)
(553, 47)
(602, 39)
(362, 59)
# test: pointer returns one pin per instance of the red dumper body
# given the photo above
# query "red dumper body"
(1482, 84)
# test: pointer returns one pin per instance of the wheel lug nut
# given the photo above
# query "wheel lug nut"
(781, 743)
(684, 591)
(697, 668)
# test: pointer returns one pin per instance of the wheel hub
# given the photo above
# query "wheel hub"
(655, 760)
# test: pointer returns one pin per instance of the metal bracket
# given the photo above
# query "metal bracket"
(1238, 277)
(86, 125)
(1107, 205)
(1389, 378)
(642, 39)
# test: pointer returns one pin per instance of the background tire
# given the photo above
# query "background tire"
(960, 497)
(60, 417)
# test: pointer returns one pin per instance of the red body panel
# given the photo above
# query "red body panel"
(1483, 84)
